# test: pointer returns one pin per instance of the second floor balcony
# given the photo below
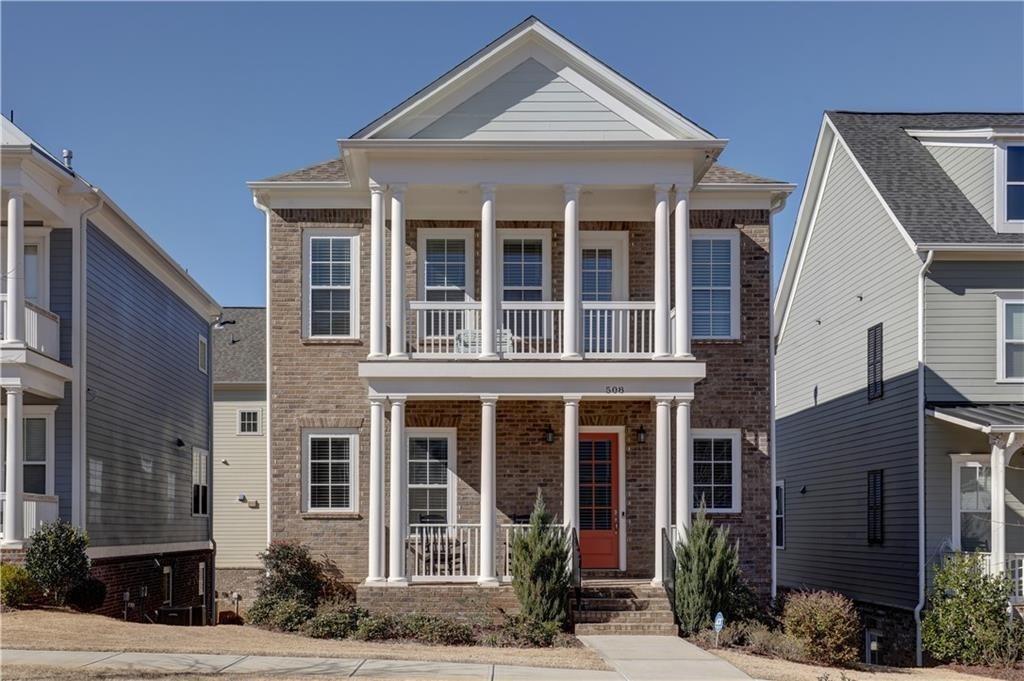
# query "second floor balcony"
(42, 328)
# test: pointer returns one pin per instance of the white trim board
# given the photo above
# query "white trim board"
(97, 552)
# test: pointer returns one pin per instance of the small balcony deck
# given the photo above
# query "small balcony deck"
(42, 329)
(37, 510)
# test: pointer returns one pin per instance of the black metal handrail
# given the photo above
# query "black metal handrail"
(668, 569)
(575, 566)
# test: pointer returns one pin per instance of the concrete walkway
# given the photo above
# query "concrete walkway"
(661, 658)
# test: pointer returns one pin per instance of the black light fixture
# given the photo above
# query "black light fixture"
(641, 434)
(179, 443)
(549, 434)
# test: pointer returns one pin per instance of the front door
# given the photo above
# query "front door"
(599, 500)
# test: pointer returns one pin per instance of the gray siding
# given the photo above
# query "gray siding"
(531, 102)
(973, 171)
(960, 330)
(60, 304)
(145, 392)
(828, 434)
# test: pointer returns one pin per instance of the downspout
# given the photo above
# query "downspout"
(267, 421)
(778, 203)
(209, 595)
(921, 275)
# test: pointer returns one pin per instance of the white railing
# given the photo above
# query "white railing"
(1013, 567)
(38, 509)
(617, 329)
(443, 552)
(508, 533)
(42, 328)
(532, 329)
(445, 328)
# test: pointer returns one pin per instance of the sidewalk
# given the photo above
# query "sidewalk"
(661, 658)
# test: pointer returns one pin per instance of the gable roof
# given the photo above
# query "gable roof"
(239, 349)
(719, 174)
(326, 171)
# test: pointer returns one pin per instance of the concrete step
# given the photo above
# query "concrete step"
(624, 604)
(625, 629)
(624, 616)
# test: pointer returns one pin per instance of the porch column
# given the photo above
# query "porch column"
(571, 463)
(998, 525)
(376, 271)
(489, 313)
(684, 466)
(396, 536)
(398, 271)
(661, 269)
(14, 524)
(662, 478)
(14, 324)
(571, 275)
(682, 275)
(375, 570)
(488, 503)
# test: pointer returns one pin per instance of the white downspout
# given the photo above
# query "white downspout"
(920, 455)
(777, 205)
(267, 420)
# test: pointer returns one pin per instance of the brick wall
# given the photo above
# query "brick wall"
(134, 572)
(463, 602)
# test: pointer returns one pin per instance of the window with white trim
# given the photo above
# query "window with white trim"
(522, 269)
(200, 481)
(203, 355)
(716, 470)
(431, 457)
(37, 454)
(36, 265)
(1014, 182)
(715, 290)
(780, 514)
(972, 502)
(249, 422)
(445, 271)
(330, 470)
(1010, 335)
(331, 275)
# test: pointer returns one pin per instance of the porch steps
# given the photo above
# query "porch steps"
(620, 607)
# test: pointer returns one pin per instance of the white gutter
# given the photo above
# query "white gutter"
(778, 203)
(267, 421)
(1011, 247)
(920, 455)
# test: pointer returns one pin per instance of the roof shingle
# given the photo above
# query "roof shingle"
(719, 174)
(239, 349)
(326, 171)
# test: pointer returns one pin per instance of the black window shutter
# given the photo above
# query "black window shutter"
(875, 362)
(875, 493)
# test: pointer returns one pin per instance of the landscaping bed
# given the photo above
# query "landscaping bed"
(775, 669)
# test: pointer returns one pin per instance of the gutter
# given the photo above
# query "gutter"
(267, 421)
(922, 273)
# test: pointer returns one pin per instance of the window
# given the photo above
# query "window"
(715, 295)
(202, 579)
(332, 276)
(716, 470)
(249, 422)
(200, 481)
(1010, 335)
(875, 502)
(37, 441)
(872, 646)
(204, 355)
(431, 476)
(445, 270)
(522, 270)
(331, 470)
(1015, 183)
(875, 362)
(972, 502)
(597, 271)
(36, 263)
(167, 585)
(780, 514)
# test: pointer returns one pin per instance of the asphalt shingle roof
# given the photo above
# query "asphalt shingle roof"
(239, 349)
(922, 196)
(326, 171)
(719, 174)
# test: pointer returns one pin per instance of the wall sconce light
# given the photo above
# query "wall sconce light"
(179, 443)
(549, 434)
(241, 497)
(641, 434)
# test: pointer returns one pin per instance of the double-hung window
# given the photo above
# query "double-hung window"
(780, 514)
(1015, 183)
(330, 470)
(716, 470)
(37, 442)
(446, 276)
(972, 502)
(200, 481)
(431, 476)
(332, 283)
(1010, 335)
(715, 284)
(522, 269)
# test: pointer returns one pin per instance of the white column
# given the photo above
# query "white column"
(662, 478)
(398, 271)
(571, 463)
(397, 519)
(571, 275)
(14, 324)
(14, 524)
(489, 312)
(661, 269)
(682, 276)
(376, 271)
(684, 464)
(488, 482)
(375, 568)
(998, 525)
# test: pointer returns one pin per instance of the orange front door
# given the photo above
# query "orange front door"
(599, 500)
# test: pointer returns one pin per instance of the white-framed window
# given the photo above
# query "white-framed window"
(1010, 336)
(167, 585)
(972, 502)
(716, 474)
(330, 470)
(432, 483)
(1014, 183)
(200, 481)
(715, 283)
(38, 449)
(250, 422)
(36, 263)
(331, 283)
(204, 354)
(604, 265)
(525, 264)
(780, 514)
(445, 264)
(201, 586)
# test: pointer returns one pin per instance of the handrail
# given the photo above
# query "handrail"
(668, 570)
(444, 305)
(618, 305)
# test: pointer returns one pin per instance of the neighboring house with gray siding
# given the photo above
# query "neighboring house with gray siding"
(899, 365)
(106, 364)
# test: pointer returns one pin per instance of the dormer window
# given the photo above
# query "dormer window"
(1015, 183)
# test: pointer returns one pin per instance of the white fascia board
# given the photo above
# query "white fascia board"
(461, 145)
(973, 247)
(558, 369)
(967, 134)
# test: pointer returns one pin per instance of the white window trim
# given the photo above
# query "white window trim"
(34, 235)
(47, 412)
(202, 578)
(618, 241)
(307, 316)
(464, 233)
(259, 422)
(199, 451)
(453, 460)
(1004, 225)
(737, 466)
(733, 235)
(204, 355)
(780, 513)
(959, 461)
(353, 435)
(515, 234)
(1002, 299)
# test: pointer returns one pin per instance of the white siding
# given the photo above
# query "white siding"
(973, 171)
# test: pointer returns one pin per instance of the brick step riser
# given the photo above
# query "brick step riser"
(622, 593)
(617, 629)
(623, 617)
(639, 604)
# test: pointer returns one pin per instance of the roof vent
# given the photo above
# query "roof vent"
(68, 155)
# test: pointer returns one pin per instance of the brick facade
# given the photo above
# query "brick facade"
(133, 573)
(463, 602)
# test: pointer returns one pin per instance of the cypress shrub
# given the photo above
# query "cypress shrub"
(540, 569)
(707, 575)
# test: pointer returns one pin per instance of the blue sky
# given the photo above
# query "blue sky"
(171, 108)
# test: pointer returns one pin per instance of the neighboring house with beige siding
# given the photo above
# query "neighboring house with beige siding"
(900, 363)
(240, 504)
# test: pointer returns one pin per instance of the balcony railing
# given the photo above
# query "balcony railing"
(1013, 567)
(38, 509)
(42, 328)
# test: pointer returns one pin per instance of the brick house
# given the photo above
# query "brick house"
(531, 275)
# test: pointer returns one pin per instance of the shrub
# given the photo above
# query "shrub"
(289, 615)
(967, 620)
(291, 572)
(88, 595)
(540, 568)
(438, 631)
(16, 586)
(826, 623)
(520, 631)
(261, 609)
(707, 576)
(732, 635)
(761, 640)
(55, 558)
(378, 628)
(334, 621)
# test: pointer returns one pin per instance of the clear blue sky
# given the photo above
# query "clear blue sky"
(171, 108)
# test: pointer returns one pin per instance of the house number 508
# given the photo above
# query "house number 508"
(614, 389)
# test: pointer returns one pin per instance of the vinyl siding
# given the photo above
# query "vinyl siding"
(241, 467)
(145, 392)
(960, 330)
(973, 171)
(828, 434)
(531, 102)
(60, 304)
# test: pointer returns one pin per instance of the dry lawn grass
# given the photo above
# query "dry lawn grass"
(772, 669)
(40, 673)
(60, 630)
